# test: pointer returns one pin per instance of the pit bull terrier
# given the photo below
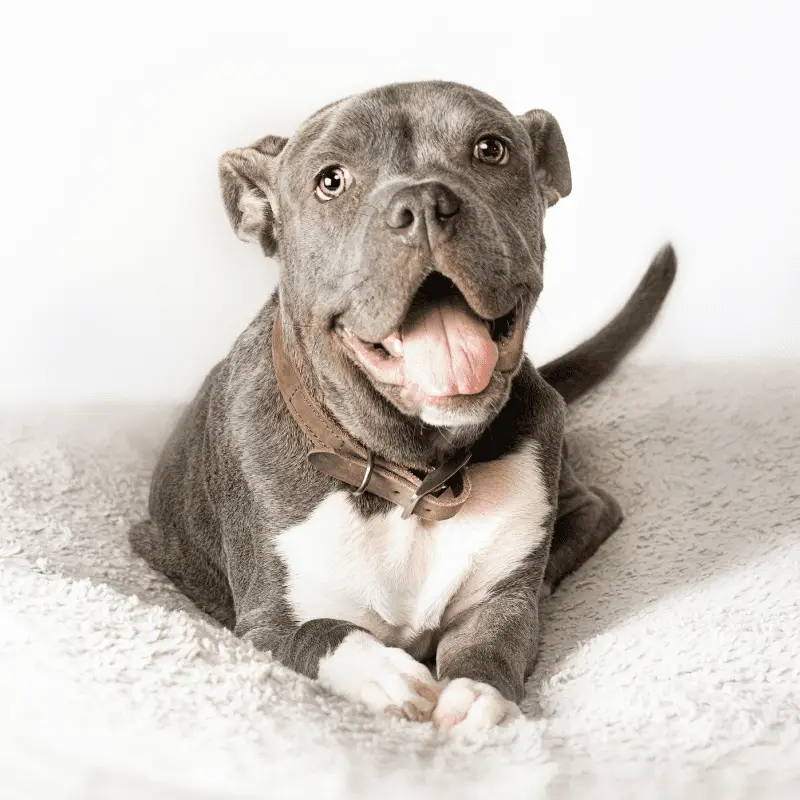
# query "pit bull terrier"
(373, 485)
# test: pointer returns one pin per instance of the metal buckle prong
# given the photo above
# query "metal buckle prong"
(435, 480)
(367, 475)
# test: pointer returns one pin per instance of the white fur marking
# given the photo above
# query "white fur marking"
(402, 578)
(443, 418)
(468, 706)
(382, 678)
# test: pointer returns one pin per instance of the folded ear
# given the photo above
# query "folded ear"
(550, 155)
(247, 177)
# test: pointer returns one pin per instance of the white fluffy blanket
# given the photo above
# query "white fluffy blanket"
(669, 667)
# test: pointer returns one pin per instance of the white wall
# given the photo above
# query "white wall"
(120, 278)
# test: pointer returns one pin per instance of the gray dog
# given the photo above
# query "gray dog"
(373, 484)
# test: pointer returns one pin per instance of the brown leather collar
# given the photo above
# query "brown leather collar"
(437, 496)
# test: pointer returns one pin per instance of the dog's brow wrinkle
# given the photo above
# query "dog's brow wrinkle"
(404, 148)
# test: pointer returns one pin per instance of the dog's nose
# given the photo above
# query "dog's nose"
(425, 209)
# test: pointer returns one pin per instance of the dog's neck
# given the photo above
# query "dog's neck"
(370, 418)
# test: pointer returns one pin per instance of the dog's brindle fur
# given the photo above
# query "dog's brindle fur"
(234, 476)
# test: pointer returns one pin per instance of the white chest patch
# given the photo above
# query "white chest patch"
(401, 578)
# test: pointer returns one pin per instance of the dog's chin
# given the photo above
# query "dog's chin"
(464, 411)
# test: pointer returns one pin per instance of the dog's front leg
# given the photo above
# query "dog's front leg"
(350, 662)
(485, 656)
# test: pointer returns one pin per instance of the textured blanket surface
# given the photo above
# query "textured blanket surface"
(669, 666)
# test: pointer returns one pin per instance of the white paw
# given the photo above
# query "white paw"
(467, 706)
(382, 678)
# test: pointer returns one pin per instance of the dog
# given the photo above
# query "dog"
(374, 485)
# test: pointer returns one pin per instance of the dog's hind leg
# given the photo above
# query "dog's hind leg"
(187, 567)
(587, 516)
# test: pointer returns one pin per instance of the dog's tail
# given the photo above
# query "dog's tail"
(590, 363)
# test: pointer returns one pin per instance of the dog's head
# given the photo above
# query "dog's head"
(408, 225)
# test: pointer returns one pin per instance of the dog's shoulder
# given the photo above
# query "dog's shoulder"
(252, 446)
(235, 448)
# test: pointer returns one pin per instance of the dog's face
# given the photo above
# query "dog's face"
(408, 225)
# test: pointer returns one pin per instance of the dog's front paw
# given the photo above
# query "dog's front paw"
(466, 706)
(382, 678)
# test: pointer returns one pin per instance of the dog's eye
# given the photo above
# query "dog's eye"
(332, 182)
(490, 150)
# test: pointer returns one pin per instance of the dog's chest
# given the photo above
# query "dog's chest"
(400, 578)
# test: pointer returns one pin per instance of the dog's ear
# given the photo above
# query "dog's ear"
(247, 177)
(551, 161)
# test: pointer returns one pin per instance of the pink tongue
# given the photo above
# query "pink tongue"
(447, 349)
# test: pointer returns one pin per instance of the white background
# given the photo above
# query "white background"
(120, 278)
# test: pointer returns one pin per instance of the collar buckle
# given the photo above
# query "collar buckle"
(435, 480)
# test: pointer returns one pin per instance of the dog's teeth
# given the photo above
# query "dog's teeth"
(393, 344)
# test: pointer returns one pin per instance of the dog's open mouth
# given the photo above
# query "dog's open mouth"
(442, 348)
